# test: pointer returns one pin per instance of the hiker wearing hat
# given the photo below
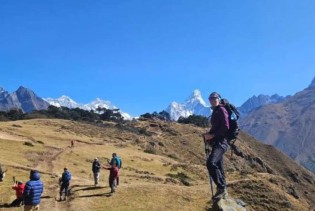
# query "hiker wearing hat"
(64, 183)
(96, 167)
(216, 138)
(33, 191)
(19, 189)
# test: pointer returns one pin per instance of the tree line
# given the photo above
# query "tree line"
(100, 114)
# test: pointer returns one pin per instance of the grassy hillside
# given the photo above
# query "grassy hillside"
(163, 167)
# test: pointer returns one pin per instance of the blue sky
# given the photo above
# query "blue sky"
(141, 55)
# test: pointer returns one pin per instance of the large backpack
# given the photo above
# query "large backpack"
(234, 115)
(66, 177)
(118, 162)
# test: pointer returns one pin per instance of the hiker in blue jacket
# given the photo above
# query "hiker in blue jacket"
(64, 183)
(117, 159)
(33, 191)
(216, 138)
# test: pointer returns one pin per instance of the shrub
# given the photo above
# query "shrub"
(28, 144)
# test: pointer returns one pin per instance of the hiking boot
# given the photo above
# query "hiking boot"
(221, 193)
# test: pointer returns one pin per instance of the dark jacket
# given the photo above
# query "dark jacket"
(33, 189)
(66, 177)
(219, 123)
(96, 166)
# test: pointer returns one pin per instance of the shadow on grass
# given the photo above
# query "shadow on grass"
(92, 187)
(96, 195)
(6, 205)
(46, 197)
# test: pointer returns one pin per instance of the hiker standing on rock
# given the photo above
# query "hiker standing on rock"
(113, 175)
(216, 137)
(96, 167)
(64, 183)
(33, 191)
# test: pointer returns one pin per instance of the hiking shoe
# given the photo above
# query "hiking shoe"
(221, 193)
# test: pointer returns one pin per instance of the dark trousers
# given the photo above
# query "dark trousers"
(112, 184)
(64, 187)
(215, 165)
(17, 202)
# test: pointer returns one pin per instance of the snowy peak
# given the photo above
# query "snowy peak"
(193, 105)
(99, 103)
(64, 101)
(195, 98)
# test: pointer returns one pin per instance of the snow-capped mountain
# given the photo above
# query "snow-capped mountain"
(63, 101)
(98, 103)
(193, 105)
(68, 102)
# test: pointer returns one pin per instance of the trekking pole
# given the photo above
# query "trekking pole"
(231, 145)
(207, 152)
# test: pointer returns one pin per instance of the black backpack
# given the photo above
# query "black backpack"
(234, 115)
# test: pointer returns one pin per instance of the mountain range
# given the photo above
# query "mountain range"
(288, 125)
(68, 102)
(23, 98)
(195, 104)
(284, 122)
(26, 100)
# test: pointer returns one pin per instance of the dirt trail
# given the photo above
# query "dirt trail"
(51, 188)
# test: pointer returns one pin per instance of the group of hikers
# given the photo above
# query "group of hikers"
(29, 193)
(113, 179)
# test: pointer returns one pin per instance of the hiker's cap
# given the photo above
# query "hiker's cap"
(95, 158)
(65, 169)
(214, 95)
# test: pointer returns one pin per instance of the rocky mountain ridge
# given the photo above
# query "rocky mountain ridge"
(288, 125)
(23, 98)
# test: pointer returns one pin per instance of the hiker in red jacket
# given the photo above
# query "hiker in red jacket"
(113, 174)
(19, 189)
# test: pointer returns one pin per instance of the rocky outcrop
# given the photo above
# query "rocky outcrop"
(228, 204)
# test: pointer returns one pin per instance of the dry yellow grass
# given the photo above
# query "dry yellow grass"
(145, 179)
